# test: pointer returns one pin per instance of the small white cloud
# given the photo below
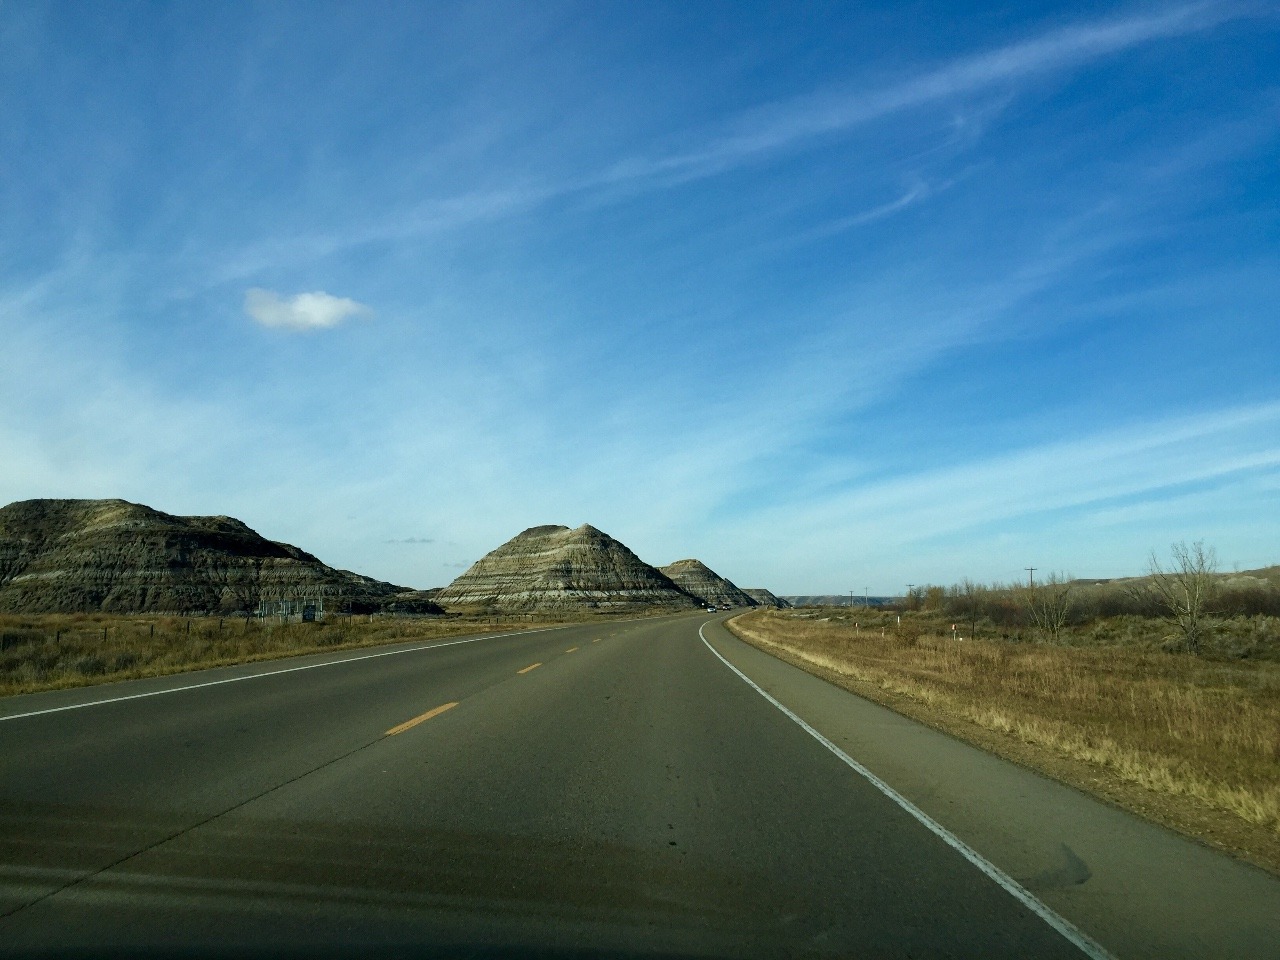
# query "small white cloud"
(306, 311)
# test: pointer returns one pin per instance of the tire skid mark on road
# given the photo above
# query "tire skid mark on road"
(1078, 938)
(91, 874)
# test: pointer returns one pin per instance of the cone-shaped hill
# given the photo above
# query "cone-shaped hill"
(695, 577)
(74, 556)
(764, 598)
(555, 568)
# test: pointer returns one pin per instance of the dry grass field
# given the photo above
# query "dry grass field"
(51, 651)
(1193, 742)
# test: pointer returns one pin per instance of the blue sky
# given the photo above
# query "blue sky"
(831, 296)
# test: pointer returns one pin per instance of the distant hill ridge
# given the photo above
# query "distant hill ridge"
(697, 579)
(114, 556)
(836, 600)
(555, 568)
(765, 598)
(71, 556)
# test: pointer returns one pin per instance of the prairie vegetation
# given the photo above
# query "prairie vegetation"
(1093, 683)
(50, 651)
(1183, 606)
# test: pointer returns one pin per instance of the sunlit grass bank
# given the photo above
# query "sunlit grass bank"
(51, 651)
(1196, 732)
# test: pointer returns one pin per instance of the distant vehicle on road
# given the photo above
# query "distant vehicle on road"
(710, 609)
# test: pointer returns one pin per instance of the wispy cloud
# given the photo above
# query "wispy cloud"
(1094, 504)
(917, 193)
(789, 124)
(306, 311)
(1132, 462)
(759, 132)
(411, 540)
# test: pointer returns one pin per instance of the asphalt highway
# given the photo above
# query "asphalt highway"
(613, 789)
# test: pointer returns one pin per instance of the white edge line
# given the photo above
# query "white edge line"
(1086, 944)
(273, 673)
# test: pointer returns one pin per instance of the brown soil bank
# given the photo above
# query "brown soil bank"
(1188, 742)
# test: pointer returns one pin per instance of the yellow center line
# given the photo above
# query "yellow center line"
(596, 640)
(409, 724)
(571, 650)
(532, 666)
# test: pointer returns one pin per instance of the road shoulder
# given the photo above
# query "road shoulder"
(1138, 888)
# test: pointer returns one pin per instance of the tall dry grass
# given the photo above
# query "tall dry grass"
(52, 651)
(1205, 730)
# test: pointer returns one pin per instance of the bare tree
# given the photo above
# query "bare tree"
(1185, 590)
(914, 598)
(1050, 604)
(973, 597)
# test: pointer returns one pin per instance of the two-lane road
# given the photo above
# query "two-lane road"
(610, 788)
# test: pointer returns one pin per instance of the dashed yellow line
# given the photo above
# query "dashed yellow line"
(409, 724)
(571, 650)
(532, 666)
(596, 640)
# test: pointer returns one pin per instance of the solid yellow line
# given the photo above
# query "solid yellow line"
(409, 724)
(571, 649)
(596, 640)
(532, 666)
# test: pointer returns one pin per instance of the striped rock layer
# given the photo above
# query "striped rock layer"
(764, 598)
(695, 577)
(84, 556)
(555, 568)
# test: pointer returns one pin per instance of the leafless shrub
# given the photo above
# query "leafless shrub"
(1050, 604)
(1184, 591)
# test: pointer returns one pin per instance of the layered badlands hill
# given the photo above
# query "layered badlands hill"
(696, 578)
(72, 556)
(764, 598)
(555, 568)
